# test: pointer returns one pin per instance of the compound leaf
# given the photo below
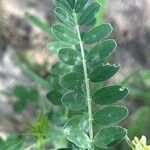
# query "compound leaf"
(110, 115)
(110, 94)
(72, 80)
(103, 72)
(109, 137)
(98, 33)
(69, 56)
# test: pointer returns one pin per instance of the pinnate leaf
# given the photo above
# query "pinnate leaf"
(101, 51)
(103, 72)
(109, 137)
(69, 56)
(98, 33)
(110, 94)
(110, 115)
(89, 13)
(72, 81)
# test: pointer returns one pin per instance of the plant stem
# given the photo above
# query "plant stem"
(87, 84)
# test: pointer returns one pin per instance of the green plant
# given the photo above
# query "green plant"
(88, 67)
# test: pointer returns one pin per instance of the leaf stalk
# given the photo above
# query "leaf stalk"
(87, 84)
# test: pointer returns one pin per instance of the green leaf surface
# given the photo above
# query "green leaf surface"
(24, 96)
(54, 47)
(65, 149)
(40, 81)
(65, 34)
(54, 96)
(65, 17)
(103, 72)
(101, 51)
(98, 33)
(110, 94)
(71, 3)
(63, 4)
(74, 131)
(75, 100)
(69, 56)
(72, 80)
(12, 143)
(110, 115)
(80, 5)
(40, 24)
(109, 137)
(89, 13)
(139, 123)
(59, 68)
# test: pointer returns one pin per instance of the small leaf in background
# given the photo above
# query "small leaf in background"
(65, 17)
(69, 56)
(30, 73)
(54, 47)
(100, 15)
(19, 105)
(101, 51)
(54, 96)
(59, 69)
(20, 92)
(71, 3)
(40, 24)
(80, 4)
(24, 96)
(33, 94)
(63, 4)
(12, 143)
(89, 13)
(75, 100)
(110, 94)
(74, 131)
(109, 137)
(139, 123)
(103, 72)
(72, 80)
(98, 33)
(65, 34)
(110, 115)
